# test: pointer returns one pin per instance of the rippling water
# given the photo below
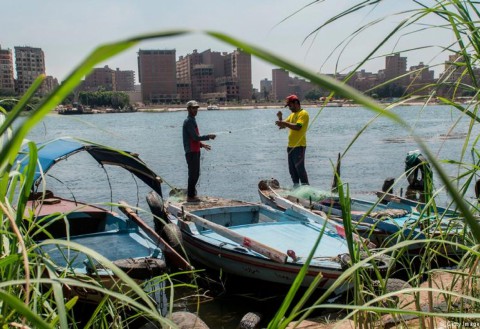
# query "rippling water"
(249, 147)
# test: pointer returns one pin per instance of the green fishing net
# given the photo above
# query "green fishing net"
(310, 193)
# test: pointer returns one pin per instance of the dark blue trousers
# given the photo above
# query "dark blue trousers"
(193, 162)
(296, 165)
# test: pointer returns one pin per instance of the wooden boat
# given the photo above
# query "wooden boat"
(126, 241)
(76, 109)
(383, 224)
(255, 241)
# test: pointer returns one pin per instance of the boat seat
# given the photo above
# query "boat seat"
(79, 223)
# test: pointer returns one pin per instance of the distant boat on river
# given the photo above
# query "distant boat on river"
(213, 107)
(76, 109)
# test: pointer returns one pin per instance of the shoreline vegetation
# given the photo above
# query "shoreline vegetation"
(253, 106)
(259, 106)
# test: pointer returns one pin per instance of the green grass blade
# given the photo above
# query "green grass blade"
(20, 307)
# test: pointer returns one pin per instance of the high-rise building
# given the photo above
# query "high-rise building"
(216, 59)
(239, 67)
(157, 74)
(202, 80)
(125, 80)
(455, 81)
(101, 78)
(214, 76)
(421, 79)
(396, 66)
(421, 73)
(50, 83)
(280, 79)
(7, 81)
(266, 89)
(30, 64)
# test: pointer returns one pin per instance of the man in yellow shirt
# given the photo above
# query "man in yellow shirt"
(297, 122)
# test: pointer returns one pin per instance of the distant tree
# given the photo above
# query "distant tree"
(113, 99)
(390, 90)
(69, 99)
(313, 95)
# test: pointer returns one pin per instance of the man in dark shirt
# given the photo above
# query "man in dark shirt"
(192, 145)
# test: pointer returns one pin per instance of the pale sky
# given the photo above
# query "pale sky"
(68, 30)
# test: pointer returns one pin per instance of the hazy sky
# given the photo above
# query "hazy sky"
(68, 30)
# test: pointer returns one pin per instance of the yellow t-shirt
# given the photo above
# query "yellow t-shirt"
(298, 137)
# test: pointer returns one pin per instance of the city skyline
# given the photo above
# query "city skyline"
(179, 56)
(68, 32)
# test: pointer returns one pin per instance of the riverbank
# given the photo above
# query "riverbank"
(434, 302)
(175, 108)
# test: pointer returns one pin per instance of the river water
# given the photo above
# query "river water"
(248, 148)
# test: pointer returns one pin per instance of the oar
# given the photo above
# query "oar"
(246, 242)
(172, 256)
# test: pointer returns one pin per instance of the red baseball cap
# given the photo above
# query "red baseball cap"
(291, 98)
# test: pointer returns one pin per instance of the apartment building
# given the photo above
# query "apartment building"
(239, 67)
(184, 72)
(420, 79)
(125, 80)
(101, 78)
(265, 89)
(30, 64)
(7, 81)
(50, 83)
(216, 59)
(212, 76)
(363, 80)
(280, 80)
(202, 80)
(396, 66)
(157, 75)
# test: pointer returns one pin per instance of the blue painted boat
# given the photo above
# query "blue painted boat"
(126, 240)
(255, 241)
(383, 224)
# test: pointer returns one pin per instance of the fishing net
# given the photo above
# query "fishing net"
(310, 193)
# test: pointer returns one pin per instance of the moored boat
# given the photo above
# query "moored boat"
(75, 109)
(213, 107)
(383, 224)
(65, 228)
(255, 241)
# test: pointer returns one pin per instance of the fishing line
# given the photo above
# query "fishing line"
(241, 129)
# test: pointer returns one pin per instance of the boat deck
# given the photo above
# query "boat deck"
(281, 236)
(113, 245)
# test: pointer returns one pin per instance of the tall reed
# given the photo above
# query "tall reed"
(21, 290)
(461, 18)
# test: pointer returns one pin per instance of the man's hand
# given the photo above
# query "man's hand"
(279, 115)
(211, 136)
(205, 146)
(281, 124)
